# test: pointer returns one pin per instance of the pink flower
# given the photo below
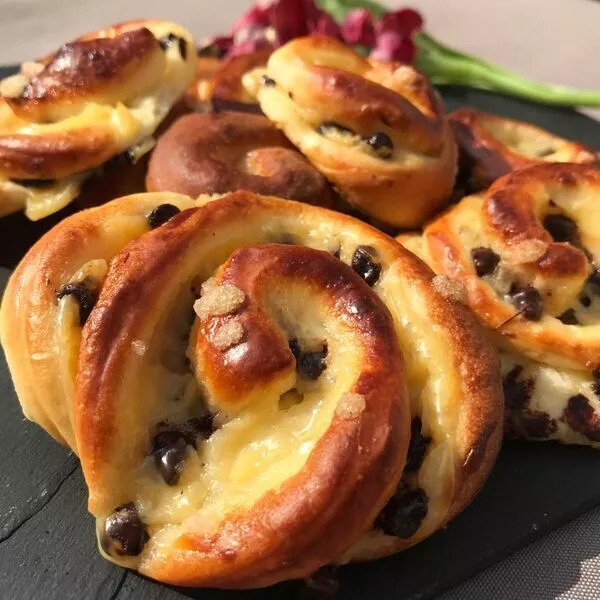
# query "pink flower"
(250, 46)
(257, 16)
(358, 28)
(391, 46)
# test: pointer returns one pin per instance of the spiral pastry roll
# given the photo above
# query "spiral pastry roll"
(95, 98)
(527, 250)
(218, 83)
(491, 146)
(258, 387)
(222, 152)
(376, 130)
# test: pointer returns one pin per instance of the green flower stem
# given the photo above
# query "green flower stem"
(446, 66)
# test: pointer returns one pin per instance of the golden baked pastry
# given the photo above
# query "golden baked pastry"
(218, 82)
(99, 96)
(528, 252)
(249, 375)
(376, 130)
(491, 146)
(222, 152)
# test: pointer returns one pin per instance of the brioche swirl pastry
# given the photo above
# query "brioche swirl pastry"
(528, 252)
(95, 98)
(218, 82)
(222, 152)
(259, 383)
(376, 130)
(492, 146)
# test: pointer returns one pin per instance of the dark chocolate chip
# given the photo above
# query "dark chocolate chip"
(124, 533)
(527, 424)
(485, 260)
(517, 392)
(86, 299)
(169, 40)
(596, 384)
(324, 581)
(528, 301)
(161, 214)
(381, 144)
(581, 417)
(364, 263)
(568, 317)
(545, 152)
(585, 301)
(268, 82)
(418, 446)
(561, 228)
(594, 280)
(329, 126)
(295, 348)
(170, 441)
(404, 512)
(309, 364)
(211, 50)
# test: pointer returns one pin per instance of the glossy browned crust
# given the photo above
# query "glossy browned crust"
(354, 465)
(224, 152)
(478, 434)
(28, 157)
(219, 82)
(486, 158)
(81, 69)
(508, 218)
(367, 100)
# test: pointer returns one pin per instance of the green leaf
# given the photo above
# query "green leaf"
(338, 9)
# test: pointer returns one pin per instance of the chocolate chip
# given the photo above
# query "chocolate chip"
(268, 82)
(170, 441)
(581, 417)
(568, 317)
(517, 393)
(324, 581)
(363, 262)
(594, 280)
(561, 228)
(337, 253)
(295, 348)
(418, 446)
(161, 214)
(329, 127)
(528, 301)
(485, 260)
(585, 301)
(529, 424)
(596, 384)
(381, 144)
(211, 50)
(404, 513)
(169, 40)
(123, 533)
(86, 299)
(545, 152)
(309, 364)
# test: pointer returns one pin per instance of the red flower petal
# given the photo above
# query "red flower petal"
(290, 18)
(391, 46)
(358, 28)
(257, 16)
(326, 25)
(403, 22)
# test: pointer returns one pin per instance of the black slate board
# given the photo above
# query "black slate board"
(47, 542)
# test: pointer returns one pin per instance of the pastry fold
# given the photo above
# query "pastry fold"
(255, 387)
